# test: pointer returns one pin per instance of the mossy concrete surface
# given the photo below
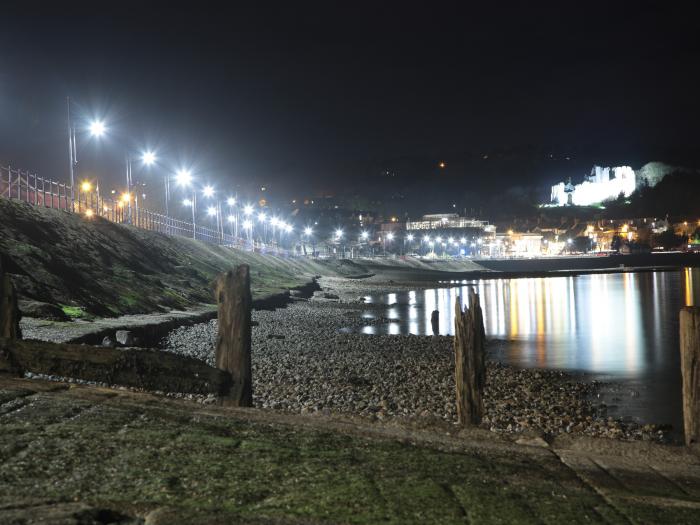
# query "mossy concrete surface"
(77, 454)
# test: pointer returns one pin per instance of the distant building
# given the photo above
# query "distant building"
(451, 223)
(600, 185)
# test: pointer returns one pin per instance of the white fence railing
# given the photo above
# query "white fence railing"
(30, 188)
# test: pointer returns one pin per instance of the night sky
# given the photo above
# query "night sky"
(314, 96)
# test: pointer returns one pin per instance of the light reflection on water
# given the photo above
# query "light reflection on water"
(622, 324)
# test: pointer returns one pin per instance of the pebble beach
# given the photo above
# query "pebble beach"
(308, 358)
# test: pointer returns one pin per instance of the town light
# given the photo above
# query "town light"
(208, 191)
(409, 237)
(451, 240)
(275, 221)
(86, 186)
(126, 197)
(231, 201)
(426, 238)
(338, 233)
(438, 239)
(231, 218)
(247, 225)
(183, 177)
(248, 210)
(187, 202)
(148, 158)
(89, 213)
(261, 217)
(364, 236)
(211, 211)
(463, 240)
(308, 231)
(288, 228)
(390, 236)
(97, 128)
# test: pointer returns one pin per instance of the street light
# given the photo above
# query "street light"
(148, 158)
(208, 191)
(248, 210)
(86, 186)
(97, 128)
(211, 211)
(231, 201)
(308, 231)
(183, 177)
(338, 233)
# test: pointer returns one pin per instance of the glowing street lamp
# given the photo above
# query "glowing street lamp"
(148, 157)
(86, 186)
(409, 237)
(187, 202)
(248, 210)
(211, 211)
(231, 201)
(338, 233)
(97, 128)
(183, 177)
(390, 236)
(308, 231)
(208, 191)
(364, 236)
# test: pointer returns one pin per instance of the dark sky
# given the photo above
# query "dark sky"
(314, 95)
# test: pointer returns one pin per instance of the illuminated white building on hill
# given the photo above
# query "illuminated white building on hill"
(600, 185)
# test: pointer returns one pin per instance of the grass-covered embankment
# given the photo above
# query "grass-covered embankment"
(90, 266)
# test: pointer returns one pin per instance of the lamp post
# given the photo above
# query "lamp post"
(308, 232)
(408, 238)
(232, 205)
(97, 129)
(183, 178)
(338, 237)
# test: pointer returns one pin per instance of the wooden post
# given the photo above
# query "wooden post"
(435, 322)
(9, 312)
(233, 342)
(690, 372)
(470, 367)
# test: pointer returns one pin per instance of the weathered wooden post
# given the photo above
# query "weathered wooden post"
(9, 312)
(470, 367)
(233, 342)
(435, 322)
(690, 372)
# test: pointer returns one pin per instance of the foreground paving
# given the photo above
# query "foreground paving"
(79, 454)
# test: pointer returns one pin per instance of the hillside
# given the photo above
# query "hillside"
(93, 266)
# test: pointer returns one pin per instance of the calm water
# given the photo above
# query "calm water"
(619, 327)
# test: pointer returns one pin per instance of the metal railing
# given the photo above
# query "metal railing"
(30, 188)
